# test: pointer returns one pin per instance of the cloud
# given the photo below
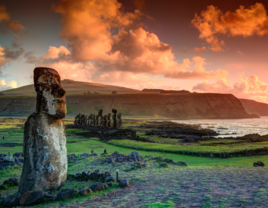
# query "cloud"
(243, 22)
(240, 53)
(10, 85)
(250, 87)
(200, 50)
(10, 54)
(15, 26)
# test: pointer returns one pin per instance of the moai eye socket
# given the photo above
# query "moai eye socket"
(44, 79)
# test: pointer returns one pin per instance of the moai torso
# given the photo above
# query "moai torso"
(114, 120)
(93, 120)
(104, 121)
(89, 120)
(119, 121)
(109, 120)
(97, 120)
(100, 118)
(44, 144)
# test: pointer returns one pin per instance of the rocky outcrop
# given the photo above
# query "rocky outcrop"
(44, 145)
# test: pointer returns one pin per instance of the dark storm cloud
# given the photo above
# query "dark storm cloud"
(10, 54)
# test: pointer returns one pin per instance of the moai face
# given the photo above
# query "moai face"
(50, 94)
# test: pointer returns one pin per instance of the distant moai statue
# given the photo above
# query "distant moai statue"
(93, 120)
(119, 121)
(44, 144)
(114, 119)
(104, 121)
(100, 118)
(109, 120)
(89, 120)
(76, 119)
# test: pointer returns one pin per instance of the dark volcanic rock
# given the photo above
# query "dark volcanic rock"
(18, 160)
(47, 197)
(182, 163)
(258, 164)
(31, 197)
(164, 165)
(85, 192)
(18, 154)
(105, 176)
(67, 194)
(3, 187)
(97, 187)
(94, 176)
(11, 201)
(109, 179)
(45, 153)
(86, 154)
(11, 182)
(124, 183)
(135, 155)
(4, 164)
(2, 155)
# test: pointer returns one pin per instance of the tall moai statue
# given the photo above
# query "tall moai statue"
(97, 120)
(119, 121)
(89, 120)
(104, 121)
(44, 143)
(100, 118)
(114, 119)
(93, 120)
(109, 120)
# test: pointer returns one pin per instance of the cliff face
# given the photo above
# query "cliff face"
(178, 106)
(253, 107)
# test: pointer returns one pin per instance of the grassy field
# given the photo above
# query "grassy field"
(234, 182)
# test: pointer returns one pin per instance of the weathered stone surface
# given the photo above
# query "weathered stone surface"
(31, 197)
(67, 194)
(11, 182)
(2, 155)
(258, 164)
(164, 165)
(94, 176)
(44, 145)
(124, 183)
(85, 192)
(135, 155)
(167, 160)
(97, 187)
(11, 201)
(110, 184)
(115, 153)
(105, 175)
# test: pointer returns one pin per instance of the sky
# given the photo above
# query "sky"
(201, 46)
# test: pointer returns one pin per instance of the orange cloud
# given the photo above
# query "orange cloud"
(9, 85)
(242, 22)
(15, 26)
(200, 50)
(250, 87)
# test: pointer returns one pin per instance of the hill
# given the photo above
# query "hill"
(254, 107)
(74, 88)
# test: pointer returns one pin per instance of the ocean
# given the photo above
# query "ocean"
(232, 127)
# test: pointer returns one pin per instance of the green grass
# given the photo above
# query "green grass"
(168, 204)
(189, 147)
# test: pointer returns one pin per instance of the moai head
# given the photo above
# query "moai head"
(100, 112)
(109, 116)
(50, 94)
(119, 115)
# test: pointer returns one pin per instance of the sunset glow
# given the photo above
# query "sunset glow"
(196, 46)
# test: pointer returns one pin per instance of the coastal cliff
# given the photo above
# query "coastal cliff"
(254, 107)
(174, 106)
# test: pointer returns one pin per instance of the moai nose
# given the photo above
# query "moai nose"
(59, 92)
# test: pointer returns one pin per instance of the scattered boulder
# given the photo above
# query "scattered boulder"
(115, 153)
(180, 163)
(18, 160)
(124, 183)
(3, 155)
(11, 182)
(97, 187)
(11, 201)
(31, 198)
(105, 175)
(258, 164)
(110, 184)
(70, 177)
(94, 154)
(135, 155)
(164, 165)
(86, 154)
(47, 197)
(84, 175)
(109, 179)
(167, 160)
(85, 192)
(67, 194)
(4, 164)
(18, 154)
(94, 176)
(3, 187)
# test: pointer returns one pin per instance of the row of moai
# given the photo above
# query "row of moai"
(113, 120)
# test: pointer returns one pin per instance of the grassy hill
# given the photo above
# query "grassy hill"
(74, 88)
